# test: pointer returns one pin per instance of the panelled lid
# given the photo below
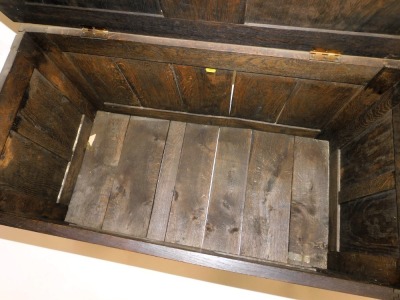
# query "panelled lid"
(371, 29)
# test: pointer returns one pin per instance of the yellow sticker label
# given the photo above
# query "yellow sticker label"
(211, 70)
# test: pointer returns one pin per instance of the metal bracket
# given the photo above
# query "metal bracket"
(94, 33)
(325, 55)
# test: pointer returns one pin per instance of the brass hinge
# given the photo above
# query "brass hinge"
(325, 55)
(94, 33)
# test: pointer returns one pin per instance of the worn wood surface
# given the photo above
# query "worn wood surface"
(266, 216)
(212, 120)
(203, 92)
(260, 97)
(334, 209)
(47, 118)
(187, 220)
(132, 194)
(369, 225)
(369, 156)
(93, 187)
(309, 215)
(166, 181)
(225, 212)
(28, 170)
(396, 144)
(105, 77)
(145, 6)
(153, 82)
(351, 15)
(312, 101)
(241, 61)
(76, 161)
(231, 11)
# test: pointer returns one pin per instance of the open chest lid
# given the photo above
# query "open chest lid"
(346, 27)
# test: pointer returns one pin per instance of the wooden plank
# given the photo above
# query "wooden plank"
(203, 92)
(145, 6)
(93, 187)
(231, 11)
(105, 77)
(372, 16)
(211, 120)
(13, 93)
(266, 214)
(47, 118)
(362, 188)
(361, 112)
(188, 215)
(28, 170)
(396, 146)
(225, 211)
(313, 101)
(334, 209)
(369, 225)
(166, 181)
(369, 156)
(132, 195)
(245, 59)
(309, 215)
(367, 45)
(76, 161)
(366, 267)
(153, 82)
(333, 282)
(260, 97)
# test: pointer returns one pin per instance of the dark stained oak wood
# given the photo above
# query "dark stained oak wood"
(334, 209)
(312, 101)
(211, 120)
(76, 161)
(166, 181)
(203, 92)
(132, 195)
(47, 118)
(231, 11)
(229, 60)
(396, 145)
(366, 267)
(154, 83)
(188, 215)
(309, 215)
(266, 215)
(145, 6)
(225, 211)
(350, 15)
(369, 225)
(105, 77)
(260, 97)
(29, 170)
(95, 180)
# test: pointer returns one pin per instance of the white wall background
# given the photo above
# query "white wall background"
(36, 266)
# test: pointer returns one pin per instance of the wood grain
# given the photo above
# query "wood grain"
(225, 211)
(369, 225)
(47, 118)
(132, 195)
(103, 74)
(188, 215)
(313, 101)
(204, 93)
(396, 144)
(93, 187)
(334, 209)
(153, 82)
(231, 11)
(266, 216)
(351, 15)
(28, 170)
(76, 161)
(260, 97)
(166, 181)
(309, 215)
